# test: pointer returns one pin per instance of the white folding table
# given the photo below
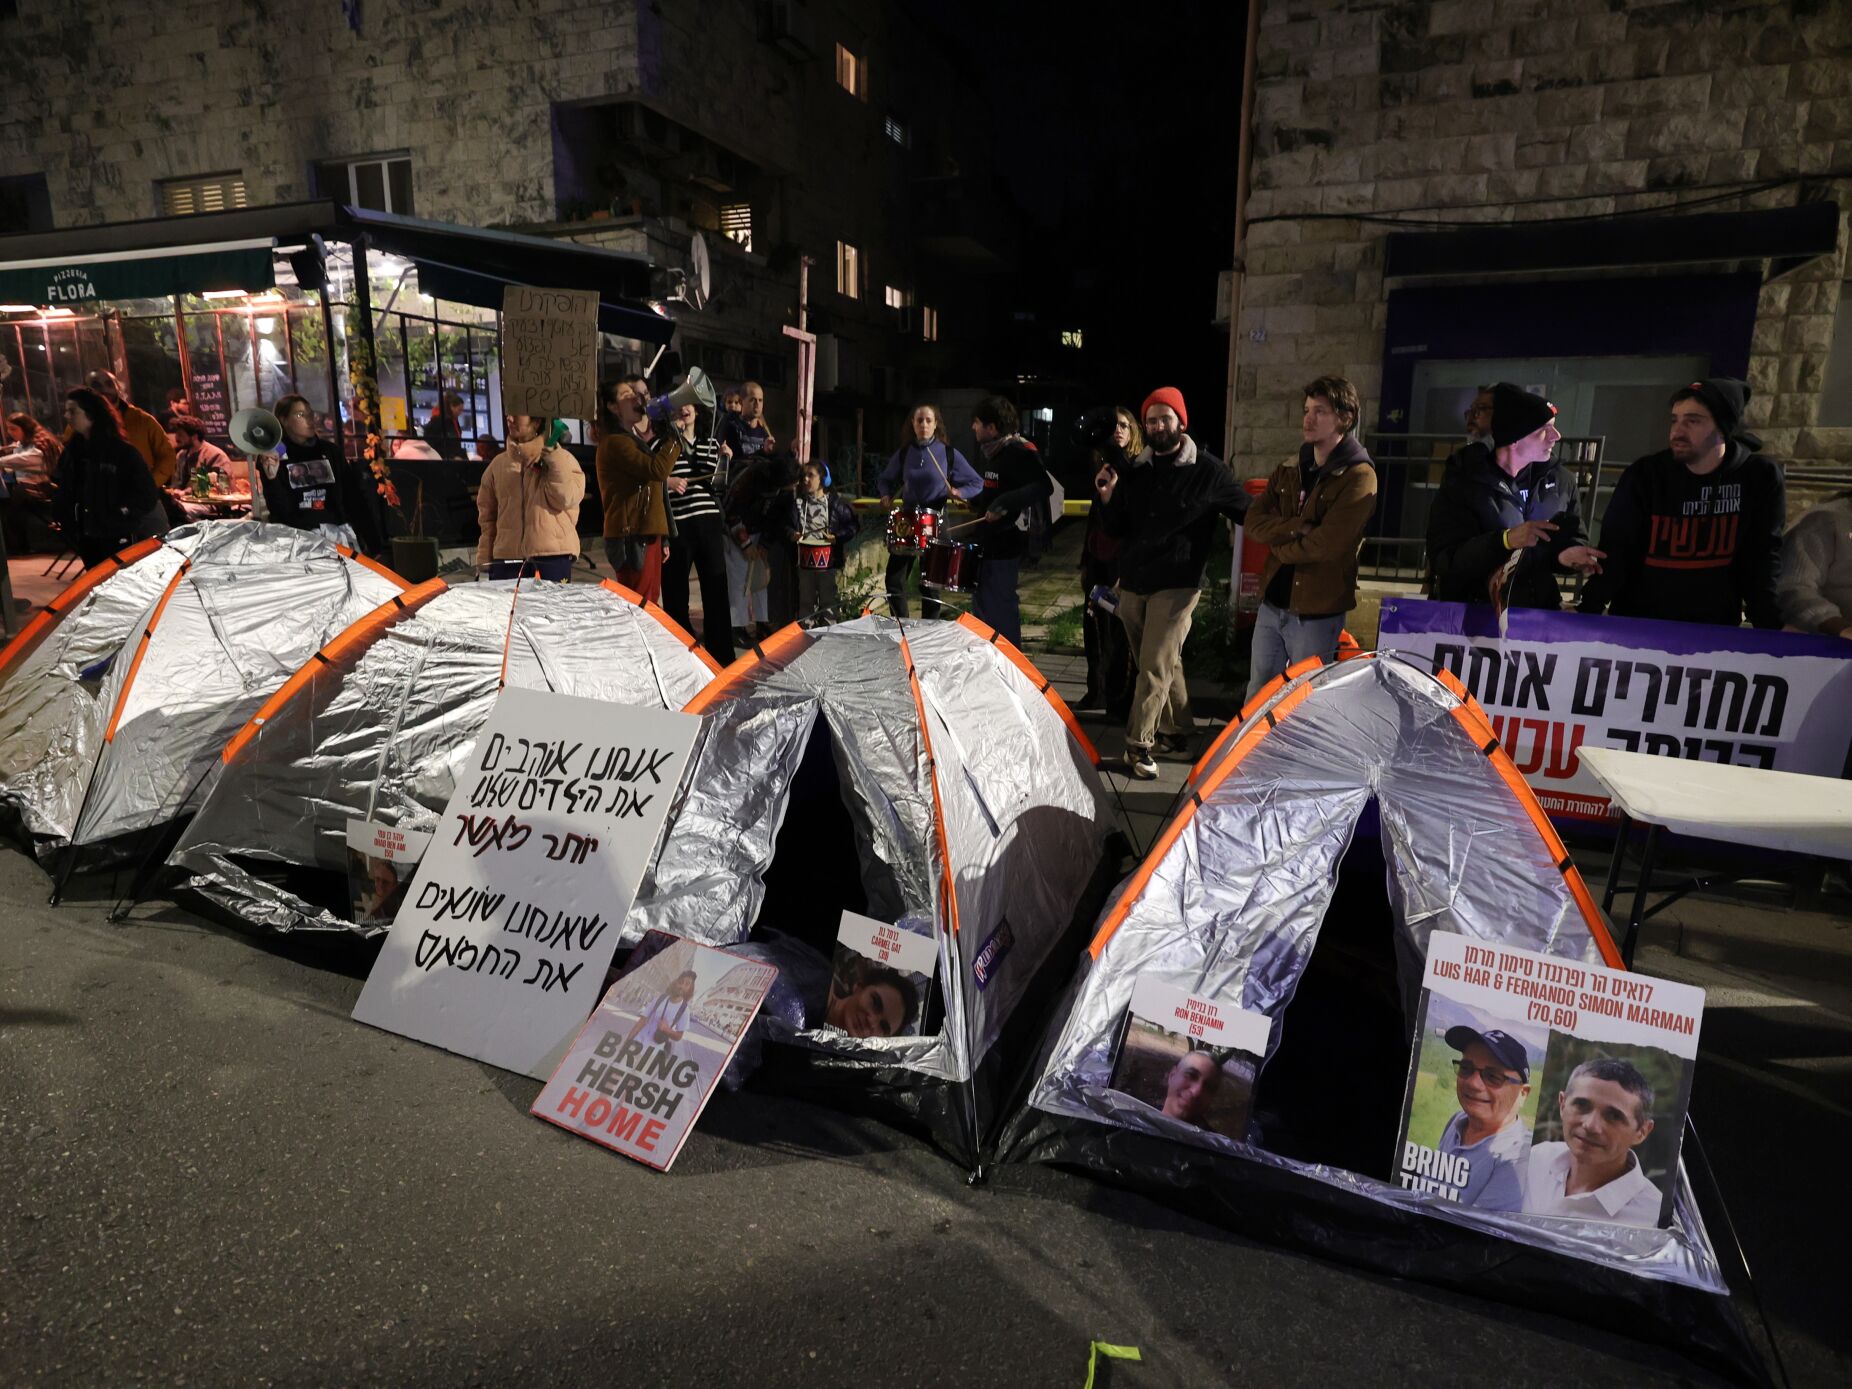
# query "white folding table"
(1783, 812)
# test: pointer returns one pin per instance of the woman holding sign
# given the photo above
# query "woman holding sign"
(528, 505)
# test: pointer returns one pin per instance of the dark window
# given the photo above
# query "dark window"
(380, 182)
(25, 205)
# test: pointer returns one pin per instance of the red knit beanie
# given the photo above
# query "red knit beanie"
(1166, 395)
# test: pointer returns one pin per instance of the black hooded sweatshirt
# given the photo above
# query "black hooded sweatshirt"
(1687, 548)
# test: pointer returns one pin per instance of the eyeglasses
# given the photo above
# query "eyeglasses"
(1496, 1079)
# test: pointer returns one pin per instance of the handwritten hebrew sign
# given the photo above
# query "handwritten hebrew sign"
(550, 352)
(500, 947)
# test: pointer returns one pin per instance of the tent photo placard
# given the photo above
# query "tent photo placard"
(502, 945)
(645, 1064)
(881, 976)
(381, 860)
(1547, 1087)
(1193, 1059)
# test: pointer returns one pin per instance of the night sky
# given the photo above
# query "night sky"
(1120, 143)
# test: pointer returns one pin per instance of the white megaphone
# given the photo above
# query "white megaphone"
(255, 430)
(695, 389)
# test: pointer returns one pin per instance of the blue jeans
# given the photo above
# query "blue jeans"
(995, 599)
(1283, 638)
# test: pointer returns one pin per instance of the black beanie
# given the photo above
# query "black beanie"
(1724, 396)
(1517, 413)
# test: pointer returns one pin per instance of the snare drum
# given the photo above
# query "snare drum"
(952, 566)
(811, 556)
(911, 529)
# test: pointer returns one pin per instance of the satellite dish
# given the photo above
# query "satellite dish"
(691, 285)
(255, 430)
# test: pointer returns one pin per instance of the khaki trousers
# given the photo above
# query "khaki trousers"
(1155, 627)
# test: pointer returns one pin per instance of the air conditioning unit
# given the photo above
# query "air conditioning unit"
(788, 26)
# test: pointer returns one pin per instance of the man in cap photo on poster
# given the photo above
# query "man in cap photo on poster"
(1693, 532)
(1505, 500)
(1492, 1077)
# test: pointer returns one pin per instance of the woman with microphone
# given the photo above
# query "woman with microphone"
(528, 505)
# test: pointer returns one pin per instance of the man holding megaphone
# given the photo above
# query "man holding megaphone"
(637, 450)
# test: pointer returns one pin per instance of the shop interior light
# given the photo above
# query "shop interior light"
(223, 294)
(18, 308)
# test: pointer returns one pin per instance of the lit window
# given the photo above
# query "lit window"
(380, 182)
(848, 270)
(897, 298)
(736, 223)
(898, 132)
(1070, 337)
(851, 73)
(182, 197)
(929, 324)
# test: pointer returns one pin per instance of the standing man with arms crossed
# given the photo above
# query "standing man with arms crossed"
(1311, 517)
(1693, 532)
(1162, 506)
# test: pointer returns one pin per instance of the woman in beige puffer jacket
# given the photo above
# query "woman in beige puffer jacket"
(528, 506)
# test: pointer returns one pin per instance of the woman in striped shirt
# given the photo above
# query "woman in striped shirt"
(700, 539)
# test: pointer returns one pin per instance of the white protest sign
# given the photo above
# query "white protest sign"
(889, 945)
(500, 950)
(1200, 1019)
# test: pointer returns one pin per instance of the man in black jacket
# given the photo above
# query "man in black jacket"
(1506, 515)
(1015, 495)
(1163, 507)
(1694, 530)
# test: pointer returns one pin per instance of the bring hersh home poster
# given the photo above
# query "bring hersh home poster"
(1547, 1087)
(642, 1069)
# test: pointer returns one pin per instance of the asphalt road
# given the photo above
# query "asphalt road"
(214, 1176)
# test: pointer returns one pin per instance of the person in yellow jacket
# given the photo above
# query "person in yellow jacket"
(141, 429)
(528, 505)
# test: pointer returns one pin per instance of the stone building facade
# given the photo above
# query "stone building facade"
(1511, 112)
(627, 123)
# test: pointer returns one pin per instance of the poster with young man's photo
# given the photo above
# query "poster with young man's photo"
(1193, 1059)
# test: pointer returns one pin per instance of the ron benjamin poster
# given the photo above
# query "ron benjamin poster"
(500, 948)
(1547, 1087)
(1555, 682)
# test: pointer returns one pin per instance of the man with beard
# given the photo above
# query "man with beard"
(1693, 532)
(1162, 506)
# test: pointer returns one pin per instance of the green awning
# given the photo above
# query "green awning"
(81, 280)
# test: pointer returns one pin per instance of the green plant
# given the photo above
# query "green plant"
(1063, 631)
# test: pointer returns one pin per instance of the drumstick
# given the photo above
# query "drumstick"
(966, 525)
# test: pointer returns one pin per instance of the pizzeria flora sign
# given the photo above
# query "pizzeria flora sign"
(70, 286)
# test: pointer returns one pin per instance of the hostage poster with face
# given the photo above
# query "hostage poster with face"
(1547, 1087)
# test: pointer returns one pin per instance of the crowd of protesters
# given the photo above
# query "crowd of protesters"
(1694, 532)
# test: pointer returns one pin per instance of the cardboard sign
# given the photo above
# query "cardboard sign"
(381, 860)
(1552, 682)
(550, 352)
(1193, 1059)
(645, 1065)
(1547, 1087)
(501, 947)
(881, 976)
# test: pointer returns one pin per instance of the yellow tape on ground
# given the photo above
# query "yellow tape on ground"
(1111, 1352)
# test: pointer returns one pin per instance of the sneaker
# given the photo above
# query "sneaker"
(1090, 703)
(1138, 763)
(1174, 744)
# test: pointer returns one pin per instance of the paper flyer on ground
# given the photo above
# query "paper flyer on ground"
(881, 976)
(1547, 1087)
(641, 1071)
(500, 949)
(1193, 1059)
(381, 860)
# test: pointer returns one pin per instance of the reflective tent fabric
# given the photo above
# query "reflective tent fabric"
(975, 813)
(51, 707)
(1229, 902)
(247, 607)
(376, 726)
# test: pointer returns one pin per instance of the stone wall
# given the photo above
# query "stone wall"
(1511, 110)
